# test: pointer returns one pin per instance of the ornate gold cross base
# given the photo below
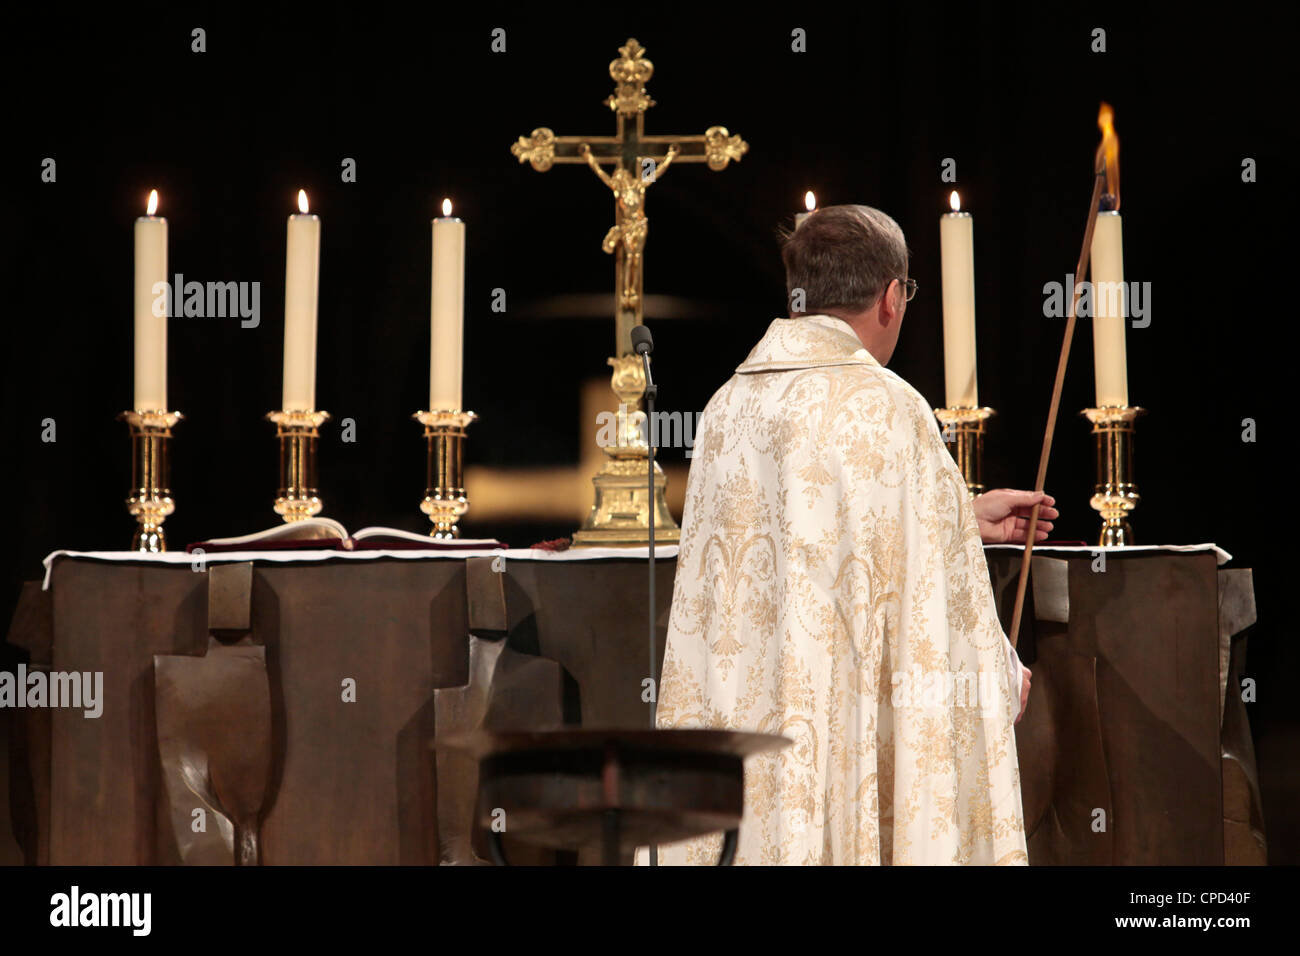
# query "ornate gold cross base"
(621, 513)
(444, 496)
(1115, 492)
(298, 434)
(150, 501)
(963, 432)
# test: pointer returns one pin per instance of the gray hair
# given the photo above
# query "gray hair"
(843, 257)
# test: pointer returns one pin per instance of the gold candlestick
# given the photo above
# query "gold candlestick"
(150, 501)
(298, 434)
(963, 431)
(444, 496)
(1115, 493)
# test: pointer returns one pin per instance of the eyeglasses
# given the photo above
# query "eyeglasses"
(909, 289)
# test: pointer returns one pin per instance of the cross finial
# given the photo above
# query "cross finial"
(631, 71)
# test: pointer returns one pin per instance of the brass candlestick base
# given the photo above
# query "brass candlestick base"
(150, 501)
(1115, 493)
(298, 435)
(444, 497)
(621, 513)
(963, 431)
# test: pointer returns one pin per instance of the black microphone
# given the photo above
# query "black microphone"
(643, 343)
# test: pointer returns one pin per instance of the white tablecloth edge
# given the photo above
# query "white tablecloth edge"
(513, 554)
(1223, 557)
(319, 554)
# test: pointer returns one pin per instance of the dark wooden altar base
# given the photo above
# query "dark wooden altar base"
(1125, 717)
(1122, 755)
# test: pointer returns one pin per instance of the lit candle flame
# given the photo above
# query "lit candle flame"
(1109, 146)
(809, 201)
(446, 208)
(302, 201)
(955, 201)
(153, 202)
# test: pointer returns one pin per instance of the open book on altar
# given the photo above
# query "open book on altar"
(328, 534)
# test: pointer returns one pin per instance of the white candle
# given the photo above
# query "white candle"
(810, 204)
(1106, 264)
(301, 281)
(150, 393)
(957, 265)
(446, 312)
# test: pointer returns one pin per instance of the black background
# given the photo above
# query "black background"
(882, 95)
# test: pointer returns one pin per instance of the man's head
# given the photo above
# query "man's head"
(850, 262)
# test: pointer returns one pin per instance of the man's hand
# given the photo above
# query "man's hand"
(1003, 515)
(1024, 691)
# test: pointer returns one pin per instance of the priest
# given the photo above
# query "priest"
(831, 587)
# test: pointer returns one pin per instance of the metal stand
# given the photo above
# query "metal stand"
(610, 845)
(1115, 493)
(298, 433)
(963, 432)
(150, 501)
(445, 500)
(616, 789)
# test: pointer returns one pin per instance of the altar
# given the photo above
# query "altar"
(293, 703)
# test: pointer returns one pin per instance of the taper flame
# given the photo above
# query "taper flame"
(153, 202)
(1110, 149)
(302, 201)
(809, 201)
(954, 201)
(446, 208)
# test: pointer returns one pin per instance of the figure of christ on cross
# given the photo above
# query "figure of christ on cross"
(631, 224)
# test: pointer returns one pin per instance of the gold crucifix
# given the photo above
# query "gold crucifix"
(620, 514)
(638, 160)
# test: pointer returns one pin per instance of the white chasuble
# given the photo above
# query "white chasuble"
(831, 586)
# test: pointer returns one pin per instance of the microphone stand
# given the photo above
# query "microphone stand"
(651, 392)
